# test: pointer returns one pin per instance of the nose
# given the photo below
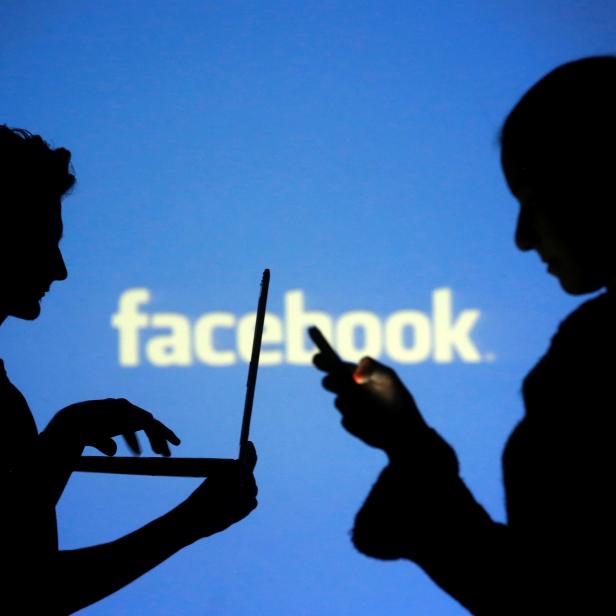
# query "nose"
(59, 267)
(525, 235)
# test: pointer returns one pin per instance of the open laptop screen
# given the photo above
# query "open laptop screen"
(191, 467)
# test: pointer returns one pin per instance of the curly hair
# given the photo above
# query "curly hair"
(30, 166)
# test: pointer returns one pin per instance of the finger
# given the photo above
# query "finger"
(241, 508)
(160, 436)
(337, 382)
(380, 380)
(366, 369)
(324, 362)
(158, 428)
(150, 422)
(106, 446)
(319, 361)
(369, 370)
(156, 433)
(246, 483)
(249, 457)
(331, 382)
(347, 424)
(324, 347)
(347, 405)
(354, 425)
(133, 442)
(169, 434)
(249, 490)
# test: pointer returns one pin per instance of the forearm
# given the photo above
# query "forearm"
(87, 575)
(77, 578)
(462, 549)
(36, 479)
(421, 510)
(46, 468)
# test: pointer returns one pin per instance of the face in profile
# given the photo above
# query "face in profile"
(558, 159)
(31, 260)
(567, 226)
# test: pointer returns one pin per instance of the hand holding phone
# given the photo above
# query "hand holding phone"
(374, 404)
(329, 360)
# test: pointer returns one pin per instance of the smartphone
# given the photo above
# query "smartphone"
(326, 349)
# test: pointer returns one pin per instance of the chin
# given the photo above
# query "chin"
(28, 311)
(574, 286)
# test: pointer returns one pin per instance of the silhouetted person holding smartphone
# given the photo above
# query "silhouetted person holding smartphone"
(39, 578)
(553, 556)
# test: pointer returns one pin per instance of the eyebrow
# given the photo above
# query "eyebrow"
(61, 229)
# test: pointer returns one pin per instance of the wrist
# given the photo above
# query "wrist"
(420, 447)
(191, 521)
(179, 527)
(59, 443)
(406, 443)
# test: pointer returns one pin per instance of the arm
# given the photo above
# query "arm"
(95, 423)
(87, 575)
(47, 467)
(420, 509)
(69, 580)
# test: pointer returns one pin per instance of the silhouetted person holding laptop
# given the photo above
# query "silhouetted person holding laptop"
(553, 556)
(39, 578)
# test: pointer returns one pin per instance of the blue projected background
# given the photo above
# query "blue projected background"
(351, 147)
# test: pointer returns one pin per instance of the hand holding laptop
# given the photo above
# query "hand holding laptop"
(227, 496)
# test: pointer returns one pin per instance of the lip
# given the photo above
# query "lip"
(547, 260)
(552, 266)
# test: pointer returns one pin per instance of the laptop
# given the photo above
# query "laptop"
(191, 467)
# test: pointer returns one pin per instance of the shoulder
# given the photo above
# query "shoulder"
(598, 307)
(576, 370)
(4, 379)
(589, 325)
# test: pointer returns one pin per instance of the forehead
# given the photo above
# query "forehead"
(526, 174)
(517, 173)
(44, 218)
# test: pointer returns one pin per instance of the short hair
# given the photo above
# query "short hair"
(566, 123)
(30, 166)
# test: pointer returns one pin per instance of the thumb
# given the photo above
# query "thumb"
(380, 380)
(248, 457)
(106, 446)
